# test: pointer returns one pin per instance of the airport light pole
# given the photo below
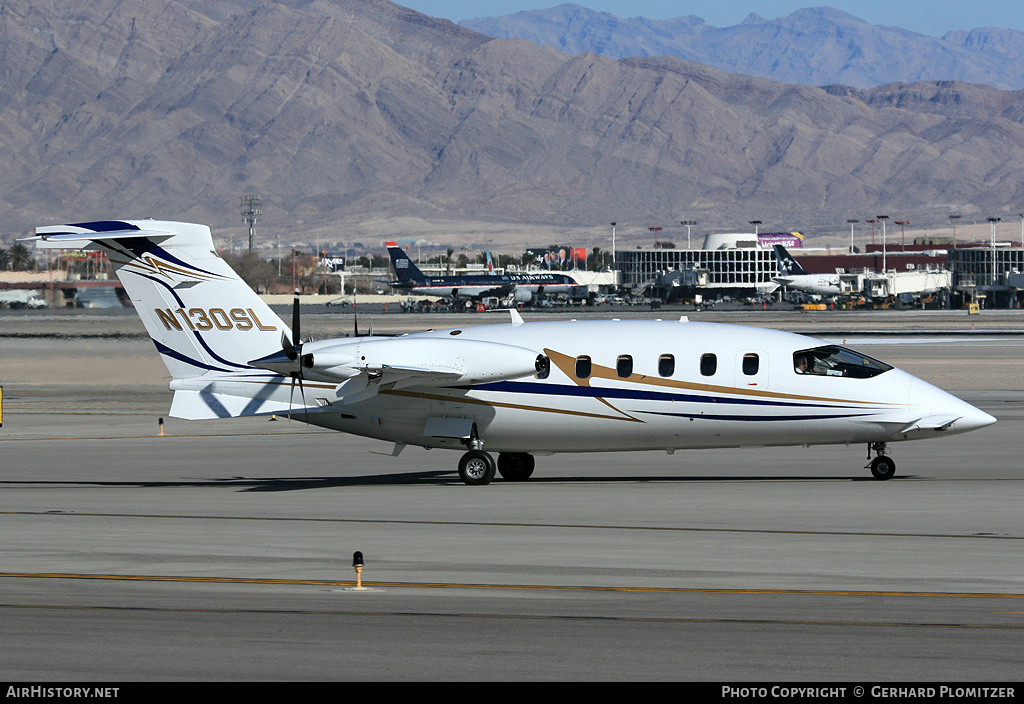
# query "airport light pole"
(873, 221)
(851, 223)
(954, 218)
(757, 249)
(883, 218)
(903, 233)
(992, 238)
(691, 223)
(613, 251)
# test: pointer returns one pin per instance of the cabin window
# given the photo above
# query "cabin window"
(666, 365)
(708, 364)
(583, 367)
(751, 363)
(624, 366)
(833, 360)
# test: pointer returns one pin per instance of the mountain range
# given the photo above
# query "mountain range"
(362, 119)
(817, 46)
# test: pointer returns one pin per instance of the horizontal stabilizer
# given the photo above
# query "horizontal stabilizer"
(205, 405)
(76, 236)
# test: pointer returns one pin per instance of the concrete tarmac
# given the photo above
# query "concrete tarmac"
(222, 550)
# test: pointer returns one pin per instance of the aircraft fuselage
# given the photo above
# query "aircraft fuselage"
(822, 284)
(477, 286)
(641, 385)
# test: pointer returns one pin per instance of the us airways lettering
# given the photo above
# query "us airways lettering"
(210, 318)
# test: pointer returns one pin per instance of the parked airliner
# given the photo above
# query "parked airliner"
(794, 276)
(519, 389)
(525, 286)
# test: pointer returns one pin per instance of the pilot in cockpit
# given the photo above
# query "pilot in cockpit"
(802, 364)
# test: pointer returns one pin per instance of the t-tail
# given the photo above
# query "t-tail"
(205, 321)
(405, 269)
(788, 266)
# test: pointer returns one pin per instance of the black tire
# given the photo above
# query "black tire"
(476, 468)
(883, 468)
(515, 466)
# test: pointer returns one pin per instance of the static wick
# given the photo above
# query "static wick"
(357, 563)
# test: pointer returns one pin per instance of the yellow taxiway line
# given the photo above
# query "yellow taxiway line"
(545, 587)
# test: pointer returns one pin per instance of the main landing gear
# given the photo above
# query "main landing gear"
(882, 467)
(477, 468)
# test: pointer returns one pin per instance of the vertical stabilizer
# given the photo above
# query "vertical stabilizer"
(200, 314)
(788, 266)
(405, 268)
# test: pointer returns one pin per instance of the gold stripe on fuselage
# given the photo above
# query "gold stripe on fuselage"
(567, 365)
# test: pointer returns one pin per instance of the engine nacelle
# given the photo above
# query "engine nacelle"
(522, 295)
(329, 363)
(427, 361)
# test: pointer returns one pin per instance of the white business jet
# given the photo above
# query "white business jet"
(517, 389)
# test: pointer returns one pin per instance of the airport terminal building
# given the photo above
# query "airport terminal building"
(744, 264)
(731, 263)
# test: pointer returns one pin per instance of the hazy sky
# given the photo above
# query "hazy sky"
(934, 18)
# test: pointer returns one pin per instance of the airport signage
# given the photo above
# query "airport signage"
(789, 240)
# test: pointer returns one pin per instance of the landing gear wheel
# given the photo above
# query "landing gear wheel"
(882, 467)
(476, 468)
(515, 466)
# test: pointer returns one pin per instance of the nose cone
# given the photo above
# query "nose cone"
(972, 419)
(945, 412)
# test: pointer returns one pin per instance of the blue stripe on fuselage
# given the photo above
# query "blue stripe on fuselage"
(526, 387)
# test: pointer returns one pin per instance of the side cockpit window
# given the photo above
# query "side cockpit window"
(833, 360)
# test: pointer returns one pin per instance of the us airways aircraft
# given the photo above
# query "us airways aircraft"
(524, 286)
(519, 389)
(792, 275)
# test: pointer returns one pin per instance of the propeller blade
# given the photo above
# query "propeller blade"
(288, 348)
(302, 395)
(296, 332)
(291, 396)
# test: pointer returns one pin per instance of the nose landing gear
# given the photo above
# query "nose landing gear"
(882, 467)
(476, 468)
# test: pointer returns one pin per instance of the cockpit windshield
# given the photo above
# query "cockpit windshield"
(833, 360)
